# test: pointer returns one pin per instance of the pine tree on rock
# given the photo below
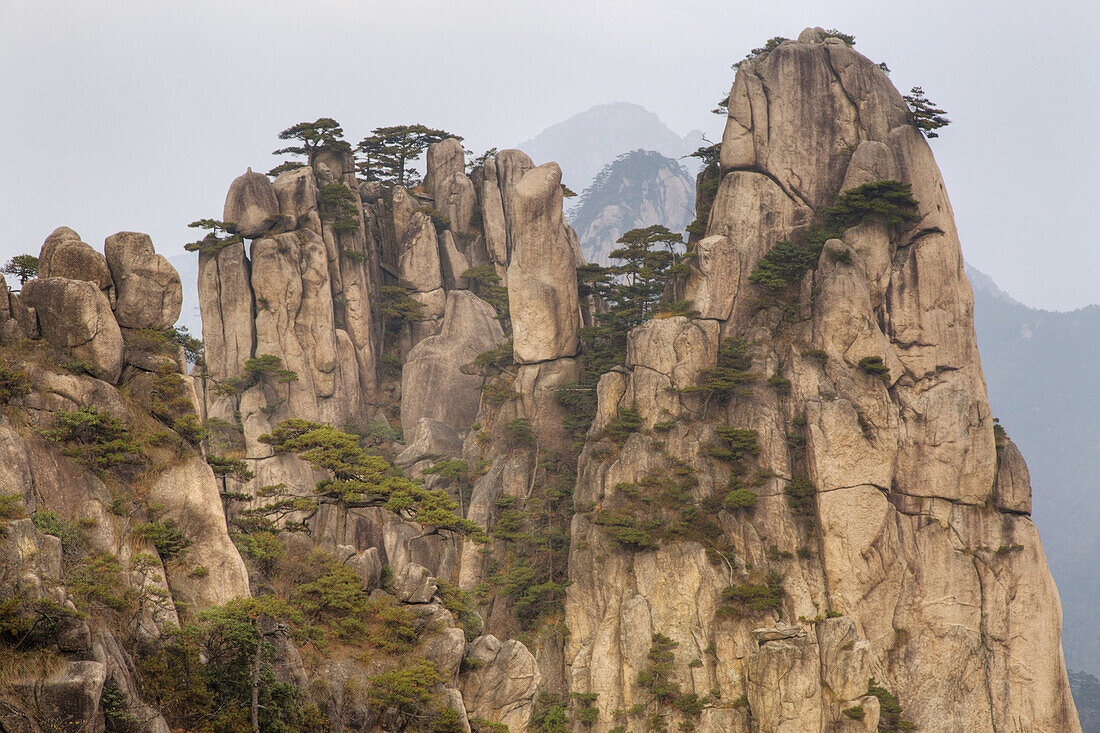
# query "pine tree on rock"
(311, 138)
(389, 151)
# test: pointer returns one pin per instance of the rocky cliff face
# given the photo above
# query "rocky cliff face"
(883, 518)
(791, 510)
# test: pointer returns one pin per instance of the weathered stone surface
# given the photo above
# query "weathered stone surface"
(433, 367)
(503, 687)
(368, 566)
(492, 214)
(150, 294)
(74, 315)
(443, 159)
(295, 322)
(225, 300)
(296, 192)
(445, 650)
(65, 255)
(250, 204)
(189, 494)
(418, 266)
(431, 441)
(542, 277)
(453, 262)
(414, 584)
(713, 271)
(1012, 488)
(923, 548)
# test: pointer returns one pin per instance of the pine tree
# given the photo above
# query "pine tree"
(311, 138)
(927, 116)
(24, 267)
(389, 152)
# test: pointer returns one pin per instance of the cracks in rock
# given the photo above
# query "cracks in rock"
(839, 83)
(795, 197)
(921, 234)
(883, 489)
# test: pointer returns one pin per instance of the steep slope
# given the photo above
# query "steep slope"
(583, 144)
(888, 535)
(1046, 398)
(638, 189)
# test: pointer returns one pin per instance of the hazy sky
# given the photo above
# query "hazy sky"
(137, 115)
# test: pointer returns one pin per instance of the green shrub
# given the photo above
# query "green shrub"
(485, 284)
(754, 598)
(733, 445)
(11, 506)
(624, 531)
(49, 522)
(461, 604)
(440, 220)
(739, 499)
(230, 467)
(890, 712)
(800, 496)
(848, 38)
(98, 440)
(518, 433)
(730, 374)
(784, 264)
(855, 713)
(97, 582)
(769, 45)
(780, 384)
(13, 383)
(627, 421)
(550, 715)
(165, 536)
(787, 261)
(873, 365)
(926, 116)
(397, 307)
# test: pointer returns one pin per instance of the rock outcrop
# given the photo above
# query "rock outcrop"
(881, 519)
(787, 509)
(75, 316)
(150, 294)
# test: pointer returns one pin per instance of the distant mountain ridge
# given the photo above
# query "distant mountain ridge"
(638, 189)
(1040, 373)
(583, 144)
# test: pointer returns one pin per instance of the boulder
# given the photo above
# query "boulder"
(414, 584)
(418, 266)
(501, 687)
(433, 366)
(296, 192)
(64, 255)
(149, 292)
(250, 204)
(368, 566)
(453, 262)
(74, 315)
(443, 159)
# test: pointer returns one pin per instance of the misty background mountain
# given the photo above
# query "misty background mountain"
(637, 189)
(586, 142)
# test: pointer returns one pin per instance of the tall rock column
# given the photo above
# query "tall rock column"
(867, 513)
